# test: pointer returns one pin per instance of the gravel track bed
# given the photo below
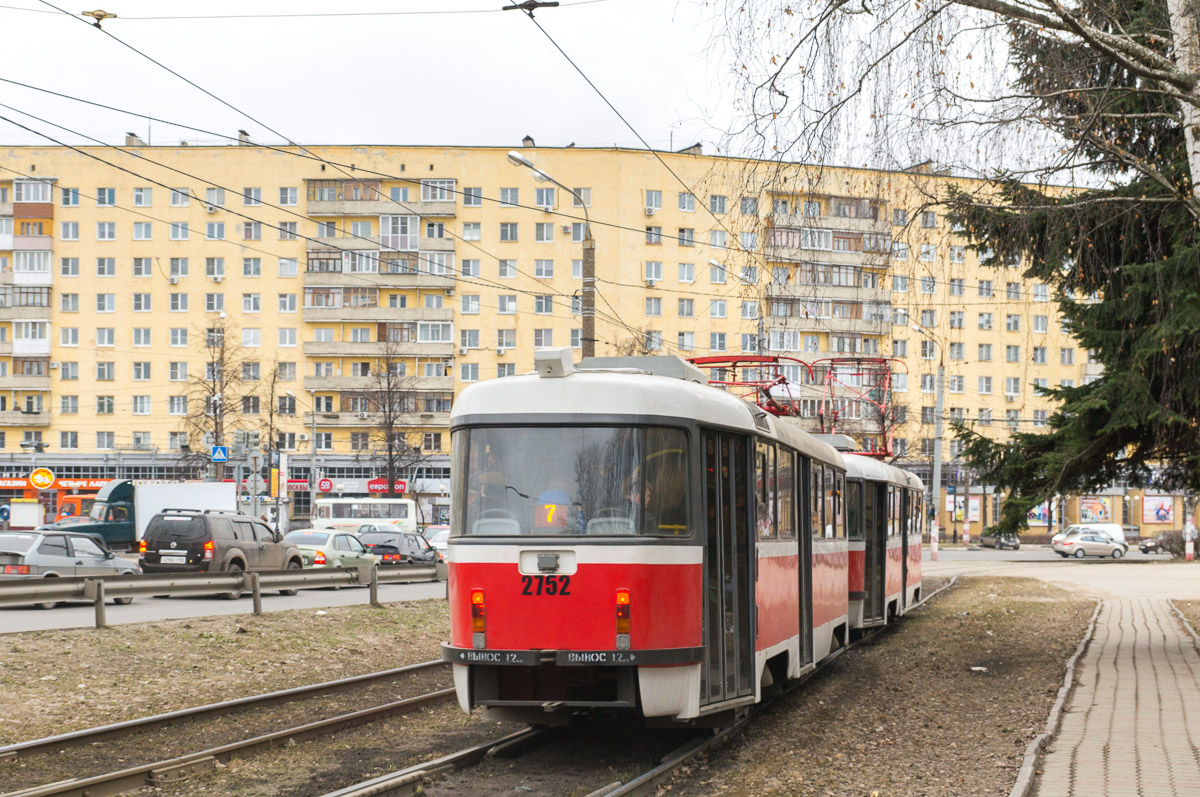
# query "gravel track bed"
(904, 714)
(191, 736)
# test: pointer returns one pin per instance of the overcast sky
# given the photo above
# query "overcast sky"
(468, 78)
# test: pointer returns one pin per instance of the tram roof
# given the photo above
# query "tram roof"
(622, 393)
(860, 467)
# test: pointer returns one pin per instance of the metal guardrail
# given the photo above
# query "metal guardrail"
(98, 589)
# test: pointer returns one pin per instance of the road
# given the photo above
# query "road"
(1136, 576)
(144, 610)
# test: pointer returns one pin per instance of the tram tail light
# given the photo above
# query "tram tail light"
(209, 548)
(622, 611)
(478, 612)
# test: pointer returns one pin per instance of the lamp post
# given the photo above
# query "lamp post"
(937, 439)
(35, 447)
(587, 309)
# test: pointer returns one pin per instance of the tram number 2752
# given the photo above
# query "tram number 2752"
(545, 585)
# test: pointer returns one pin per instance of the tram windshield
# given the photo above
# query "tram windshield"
(572, 480)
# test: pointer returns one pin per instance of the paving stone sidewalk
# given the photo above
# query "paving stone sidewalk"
(1132, 726)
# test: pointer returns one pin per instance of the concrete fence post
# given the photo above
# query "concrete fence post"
(256, 592)
(375, 588)
(95, 591)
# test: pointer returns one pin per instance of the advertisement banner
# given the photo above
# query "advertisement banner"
(1158, 509)
(975, 509)
(1095, 509)
(1040, 514)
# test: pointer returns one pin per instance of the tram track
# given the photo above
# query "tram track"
(416, 779)
(78, 751)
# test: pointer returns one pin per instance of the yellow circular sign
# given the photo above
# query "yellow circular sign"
(42, 478)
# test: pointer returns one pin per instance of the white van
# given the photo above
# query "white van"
(1114, 531)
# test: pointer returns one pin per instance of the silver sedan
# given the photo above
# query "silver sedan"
(55, 554)
(1087, 544)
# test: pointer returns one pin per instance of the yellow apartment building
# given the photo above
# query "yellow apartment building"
(158, 300)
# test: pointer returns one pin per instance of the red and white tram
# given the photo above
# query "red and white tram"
(633, 538)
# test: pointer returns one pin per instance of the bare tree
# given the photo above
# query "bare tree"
(393, 403)
(219, 400)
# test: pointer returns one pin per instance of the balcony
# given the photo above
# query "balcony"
(443, 384)
(437, 244)
(796, 254)
(358, 279)
(817, 292)
(24, 313)
(32, 243)
(6, 348)
(24, 382)
(370, 350)
(335, 246)
(21, 418)
(31, 347)
(357, 420)
(6, 208)
(855, 224)
(380, 207)
(374, 314)
(849, 326)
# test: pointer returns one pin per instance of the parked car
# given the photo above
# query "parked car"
(433, 529)
(1000, 541)
(404, 548)
(388, 528)
(1113, 531)
(330, 548)
(191, 541)
(1088, 544)
(1152, 545)
(51, 554)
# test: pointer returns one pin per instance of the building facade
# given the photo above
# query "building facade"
(155, 301)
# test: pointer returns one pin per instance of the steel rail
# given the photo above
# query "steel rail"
(174, 769)
(91, 735)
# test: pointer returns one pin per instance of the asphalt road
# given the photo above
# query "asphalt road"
(1035, 553)
(142, 610)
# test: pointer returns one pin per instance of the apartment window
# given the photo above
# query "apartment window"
(68, 440)
(654, 235)
(106, 197)
(811, 208)
(956, 384)
(929, 318)
(716, 308)
(287, 302)
(899, 217)
(899, 283)
(1040, 324)
(141, 372)
(928, 252)
(654, 199)
(1012, 354)
(68, 371)
(287, 336)
(985, 385)
(214, 230)
(543, 232)
(654, 270)
(289, 196)
(215, 197)
(749, 241)
(106, 303)
(900, 348)
(956, 319)
(141, 337)
(958, 254)
(252, 337)
(70, 231)
(141, 405)
(179, 302)
(900, 383)
(716, 341)
(653, 306)
(141, 303)
(749, 206)
(510, 197)
(985, 352)
(68, 266)
(985, 289)
(543, 338)
(956, 287)
(899, 251)
(928, 285)
(928, 350)
(1066, 356)
(508, 231)
(716, 274)
(750, 310)
(251, 302)
(179, 337)
(956, 351)
(928, 384)
(1012, 323)
(507, 304)
(687, 308)
(1012, 386)
(717, 239)
(70, 197)
(1041, 293)
(214, 302)
(69, 302)
(287, 230)
(653, 340)
(717, 203)
(472, 197)
(179, 231)
(687, 236)
(68, 336)
(1039, 355)
(252, 231)
(985, 320)
(177, 371)
(1040, 385)
(1012, 291)
(928, 219)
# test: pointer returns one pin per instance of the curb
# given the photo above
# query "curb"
(1027, 774)
(1186, 625)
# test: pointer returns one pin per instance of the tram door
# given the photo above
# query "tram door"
(728, 669)
(875, 537)
(904, 498)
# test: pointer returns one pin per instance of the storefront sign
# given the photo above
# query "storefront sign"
(1158, 509)
(380, 486)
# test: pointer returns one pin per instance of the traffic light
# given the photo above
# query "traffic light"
(252, 439)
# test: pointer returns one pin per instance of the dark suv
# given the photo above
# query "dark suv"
(191, 541)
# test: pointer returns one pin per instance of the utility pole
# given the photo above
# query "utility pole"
(588, 296)
(937, 454)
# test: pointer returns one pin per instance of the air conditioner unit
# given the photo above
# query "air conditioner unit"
(651, 283)
(500, 352)
(1010, 396)
(364, 415)
(53, 364)
(173, 280)
(217, 278)
(546, 208)
(649, 211)
(303, 438)
(449, 291)
(463, 350)
(566, 228)
(210, 208)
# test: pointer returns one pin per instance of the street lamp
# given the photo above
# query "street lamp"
(937, 436)
(587, 308)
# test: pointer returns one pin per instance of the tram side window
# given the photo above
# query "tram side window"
(839, 498)
(830, 505)
(918, 512)
(787, 494)
(854, 526)
(764, 490)
(814, 502)
(891, 511)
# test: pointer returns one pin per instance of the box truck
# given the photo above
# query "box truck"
(124, 507)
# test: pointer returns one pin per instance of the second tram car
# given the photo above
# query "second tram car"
(632, 538)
